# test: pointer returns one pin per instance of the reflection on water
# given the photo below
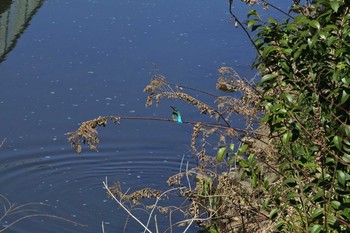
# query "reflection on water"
(14, 18)
(4, 5)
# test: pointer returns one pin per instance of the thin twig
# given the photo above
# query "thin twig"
(156, 223)
(121, 204)
(103, 227)
(192, 220)
(40, 215)
(244, 29)
(188, 179)
(156, 202)
(2, 143)
(278, 9)
(193, 89)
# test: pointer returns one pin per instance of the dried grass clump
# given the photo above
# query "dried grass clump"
(157, 83)
(246, 97)
(87, 132)
(215, 191)
(159, 88)
(225, 200)
(262, 145)
(205, 131)
(135, 196)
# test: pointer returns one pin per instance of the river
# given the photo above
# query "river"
(67, 61)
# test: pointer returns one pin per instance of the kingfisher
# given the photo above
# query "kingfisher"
(176, 115)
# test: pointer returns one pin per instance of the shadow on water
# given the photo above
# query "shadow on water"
(15, 16)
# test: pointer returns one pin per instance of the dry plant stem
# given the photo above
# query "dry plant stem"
(40, 215)
(11, 209)
(126, 223)
(103, 227)
(203, 107)
(121, 204)
(156, 202)
(87, 131)
(182, 160)
(188, 179)
(192, 220)
(2, 143)
(244, 29)
(193, 89)
(195, 219)
(156, 223)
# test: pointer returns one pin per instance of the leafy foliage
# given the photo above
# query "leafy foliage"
(305, 71)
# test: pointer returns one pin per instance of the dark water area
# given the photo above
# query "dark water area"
(67, 61)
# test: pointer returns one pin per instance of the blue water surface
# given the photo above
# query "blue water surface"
(68, 61)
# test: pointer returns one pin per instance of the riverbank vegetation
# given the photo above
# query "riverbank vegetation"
(292, 172)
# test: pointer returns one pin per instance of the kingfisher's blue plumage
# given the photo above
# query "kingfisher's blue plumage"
(176, 115)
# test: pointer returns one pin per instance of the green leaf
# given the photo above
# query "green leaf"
(232, 146)
(318, 196)
(273, 213)
(347, 130)
(268, 50)
(341, 176)
(346, 81)
(252, 23)
(266, 203)
(323, 35)
(232, 160)
(317, 213)
(284, 64)
(334, 5)
(316, 229)
(285, 166)
(315, 24)
(242, 149)
(251, 159)
(255, 27)
(331, 219)
(346, 141)
(315, 97)
(344, 97)
(282, 111)
(337, 142)
(290, 182)
(288, 97)
(272, 21)
(243, 163)
(254, 180)
(346, 158)
(298, 50)
(335, 204)
(347, 149)
(267, 77)
(253, 12)
(221, 152)
(286, 137)
(292, 196)
(279, 224)
(310, 42)
(300, 19)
